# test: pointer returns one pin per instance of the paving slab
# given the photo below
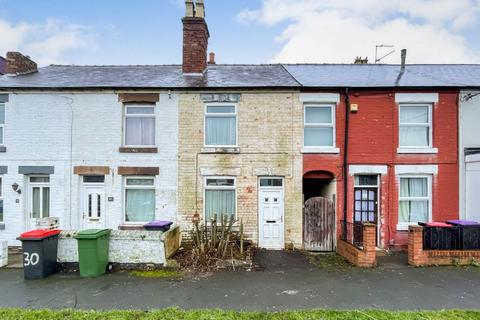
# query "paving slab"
(320, 281)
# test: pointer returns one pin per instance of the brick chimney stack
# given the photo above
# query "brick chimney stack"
(17, 64)
(3, 66)
(195, 38)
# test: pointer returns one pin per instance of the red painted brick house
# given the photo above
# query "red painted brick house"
(401, 159)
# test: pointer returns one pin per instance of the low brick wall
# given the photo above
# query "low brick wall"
(127, 247)
(365, 257)
(419, 257)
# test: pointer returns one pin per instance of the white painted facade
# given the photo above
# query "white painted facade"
(469, 138)
(68, 129)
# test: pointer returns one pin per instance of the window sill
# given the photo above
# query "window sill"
(404, 227)
(321, 150)
(417, 150)
(2, 226)
(234, 150)
(138, 150)
(3, 149)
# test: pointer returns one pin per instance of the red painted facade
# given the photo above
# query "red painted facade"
(373, 140)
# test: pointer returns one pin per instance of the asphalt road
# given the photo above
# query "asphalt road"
(284, 281)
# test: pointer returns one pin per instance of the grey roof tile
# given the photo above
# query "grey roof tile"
(247, 76)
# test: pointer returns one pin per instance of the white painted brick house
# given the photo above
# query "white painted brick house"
(49, 134)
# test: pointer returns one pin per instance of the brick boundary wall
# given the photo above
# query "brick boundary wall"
(419, 257)
(366, 257)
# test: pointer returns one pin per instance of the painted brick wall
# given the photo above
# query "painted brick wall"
(269, 131)
(373, 140)
(39, 131)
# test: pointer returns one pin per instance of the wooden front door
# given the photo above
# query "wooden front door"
(319, 224)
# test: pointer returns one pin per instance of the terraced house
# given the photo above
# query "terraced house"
(299, 153)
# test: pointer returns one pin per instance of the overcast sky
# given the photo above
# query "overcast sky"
(242, 31)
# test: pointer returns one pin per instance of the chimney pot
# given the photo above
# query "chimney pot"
(211, 58)
(189, 9)
(199, 9)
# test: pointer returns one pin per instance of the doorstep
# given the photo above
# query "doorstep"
(15, 260)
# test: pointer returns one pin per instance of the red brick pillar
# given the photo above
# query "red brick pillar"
(369, 244)
(416, 257)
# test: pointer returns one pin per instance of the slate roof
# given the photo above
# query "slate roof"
(382, 75)
(246, 76)
(152, 76)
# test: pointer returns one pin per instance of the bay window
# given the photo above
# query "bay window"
(220, 197)
(221, 126)
(139, 199)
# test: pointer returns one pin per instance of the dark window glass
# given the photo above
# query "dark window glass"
(271, 182)
(94, 179)
(366, 180)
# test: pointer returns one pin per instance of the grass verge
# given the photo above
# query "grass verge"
(171, 314)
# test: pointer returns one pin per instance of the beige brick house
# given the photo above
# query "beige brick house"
(254, 171)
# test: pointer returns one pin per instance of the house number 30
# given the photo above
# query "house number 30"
(30, 259)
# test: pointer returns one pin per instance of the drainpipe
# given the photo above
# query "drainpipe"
(345, 158)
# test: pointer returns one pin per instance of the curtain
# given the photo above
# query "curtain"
(140, 131)
(218, 202)
(221, 131)
(318, 137)
(140, 205)
(413, 114)
(414, 136)
(413, 210)
(318, 115)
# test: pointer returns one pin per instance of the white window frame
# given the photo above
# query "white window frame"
(205, 188)
(415, 149)
(143, 187)
(2, 219)
(404, 225)
(126, 115)
(219, 115)
(41, 184)
(329, 149)
(2, 125)
(355, 185)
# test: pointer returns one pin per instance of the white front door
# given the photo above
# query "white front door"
(271, 212)
(93, 206)
(473, 187)
(38, 200)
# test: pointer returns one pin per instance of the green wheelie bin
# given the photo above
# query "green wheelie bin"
(93, 251)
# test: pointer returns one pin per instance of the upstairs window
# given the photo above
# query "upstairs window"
(416, 126)
(139, 125)
(2, 122)
(220, 126)
(319, 126)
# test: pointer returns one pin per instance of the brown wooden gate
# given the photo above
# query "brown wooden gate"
(319, 224)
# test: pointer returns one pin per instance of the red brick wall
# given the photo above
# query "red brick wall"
(366, 257)
(195, 44)
(17, 63)
(419, 257)
(373, 140)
